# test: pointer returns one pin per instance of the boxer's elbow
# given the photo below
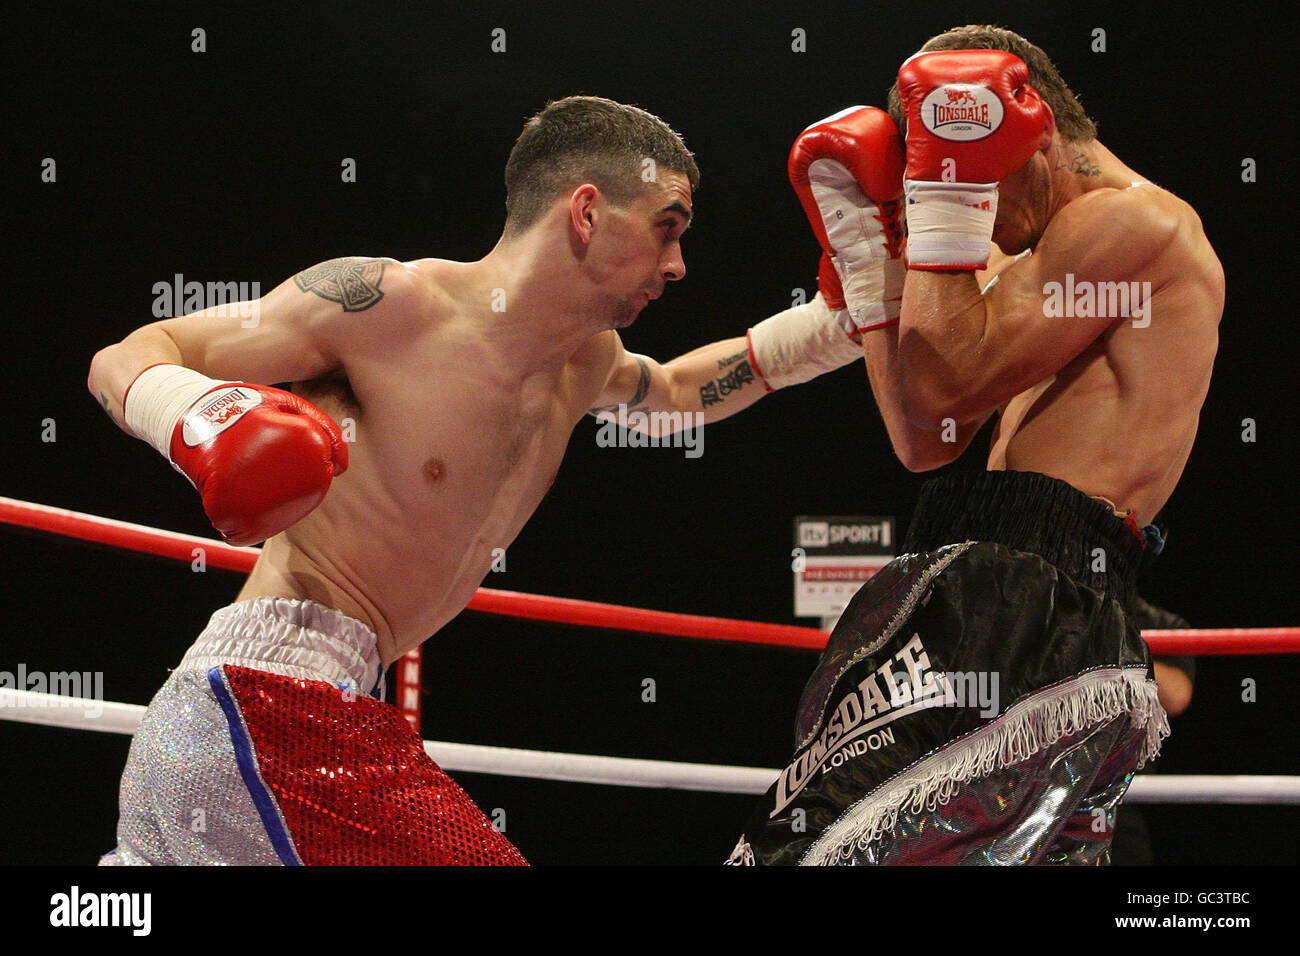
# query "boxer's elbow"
(114, 367)
(1174, 689)
(924, 451)
(98, 362)
(919, 449)
(1176, 701)
(918, 460)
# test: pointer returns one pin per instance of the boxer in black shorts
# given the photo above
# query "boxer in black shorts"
(978, 269)
(974, 691)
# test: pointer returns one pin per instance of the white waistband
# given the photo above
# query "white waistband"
(294, 638)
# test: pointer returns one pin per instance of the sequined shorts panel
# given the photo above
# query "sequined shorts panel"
(183, 800)
(262, 748)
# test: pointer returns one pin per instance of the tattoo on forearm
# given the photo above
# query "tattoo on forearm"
(733, 381)
(723, 363)
(352, 282)
(103, 400)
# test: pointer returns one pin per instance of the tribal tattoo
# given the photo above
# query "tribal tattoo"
(733, 381)
(642, 389)
(352, 282)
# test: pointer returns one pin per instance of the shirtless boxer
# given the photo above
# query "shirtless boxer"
(464, 381)
(1023, 572)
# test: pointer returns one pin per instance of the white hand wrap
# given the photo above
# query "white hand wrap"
(871, 278)
(158, 398)
(801, 343)
(874, 295)
(949, 225)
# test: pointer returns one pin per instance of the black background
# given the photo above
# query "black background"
(225, 166)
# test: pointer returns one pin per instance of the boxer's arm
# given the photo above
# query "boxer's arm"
(963, 354)
(295, 332)
(716, 380)
(719, 381)
(919, 449)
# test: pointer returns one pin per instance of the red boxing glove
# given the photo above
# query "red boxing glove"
(974, 108)
(972, 121)
(261, 458)
(847, 171)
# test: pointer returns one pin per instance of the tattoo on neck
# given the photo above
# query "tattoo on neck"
(1081, 165)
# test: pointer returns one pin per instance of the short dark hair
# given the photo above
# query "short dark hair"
(1071, 119)
(588, 139)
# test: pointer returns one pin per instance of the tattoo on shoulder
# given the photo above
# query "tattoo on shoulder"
(352, 282)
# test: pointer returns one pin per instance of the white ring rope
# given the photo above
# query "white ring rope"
(54, 710)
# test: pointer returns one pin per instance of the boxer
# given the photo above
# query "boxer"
(1019, 577)
(464, 381)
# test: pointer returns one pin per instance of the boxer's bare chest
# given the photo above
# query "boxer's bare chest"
(448, 436)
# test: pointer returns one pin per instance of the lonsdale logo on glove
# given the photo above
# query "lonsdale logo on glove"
(961, 112)
(216, 411)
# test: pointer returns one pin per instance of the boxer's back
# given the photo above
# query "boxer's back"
(451, 450)
(1119, 419)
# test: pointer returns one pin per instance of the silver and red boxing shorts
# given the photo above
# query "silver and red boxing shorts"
(265, 747)
(984, 699)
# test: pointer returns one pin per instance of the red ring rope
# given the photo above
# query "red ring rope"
(134, 537)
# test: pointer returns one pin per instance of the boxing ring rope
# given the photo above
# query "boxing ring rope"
(540, 607)
(52, 710)
(112, 717)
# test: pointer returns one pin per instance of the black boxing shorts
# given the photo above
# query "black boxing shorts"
(984, 699)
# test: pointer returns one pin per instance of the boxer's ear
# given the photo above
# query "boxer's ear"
(1049, 123)
(582, 210)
